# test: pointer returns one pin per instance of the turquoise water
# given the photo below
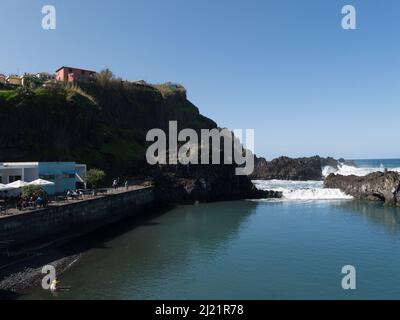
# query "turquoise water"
(242, 250)
(377, 163)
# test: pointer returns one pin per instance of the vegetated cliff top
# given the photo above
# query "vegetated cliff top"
(169, 89)
(103, 124)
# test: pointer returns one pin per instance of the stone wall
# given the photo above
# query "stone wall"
(70, 218)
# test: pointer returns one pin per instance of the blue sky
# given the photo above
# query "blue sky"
(285, 68)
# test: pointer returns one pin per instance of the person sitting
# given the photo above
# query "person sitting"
(32, 202)
(40, 201)
(74, 195)
(20, 205)
(3, 206)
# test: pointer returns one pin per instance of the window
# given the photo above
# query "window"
(14, 178)
(48, 177)
(69, 175)
(83, 71)
(69, 70)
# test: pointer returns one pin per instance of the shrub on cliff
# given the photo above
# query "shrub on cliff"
(32, 191)
(94, 177)
(105, 77)
(169, 88)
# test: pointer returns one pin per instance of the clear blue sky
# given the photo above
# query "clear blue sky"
(285, 68)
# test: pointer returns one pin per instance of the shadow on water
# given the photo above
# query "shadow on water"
(376, 213)
(47, 251)
(207, 219)
(148, 246)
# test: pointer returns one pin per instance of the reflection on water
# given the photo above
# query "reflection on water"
(241, 250)
(375, 212)
(128, 258)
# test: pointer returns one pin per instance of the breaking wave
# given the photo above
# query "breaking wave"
(346, 170)
(301, 190)
(314, 190)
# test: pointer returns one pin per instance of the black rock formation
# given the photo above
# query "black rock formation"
(377, 186)
(187, 184)
(285, 168)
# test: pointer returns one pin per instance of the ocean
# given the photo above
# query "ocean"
(291, 248)
(314, 190)
(364, 167)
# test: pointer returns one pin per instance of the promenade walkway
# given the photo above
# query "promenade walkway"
(62, 201)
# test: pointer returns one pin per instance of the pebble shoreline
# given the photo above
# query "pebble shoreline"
(21, 275)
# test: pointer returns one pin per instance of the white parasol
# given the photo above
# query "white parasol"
(41, 182)
(17, 184)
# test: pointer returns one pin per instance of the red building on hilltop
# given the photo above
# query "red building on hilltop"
(68, 74)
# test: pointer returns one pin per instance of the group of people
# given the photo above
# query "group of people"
(77, 194)
(116, 182)
(37, 199)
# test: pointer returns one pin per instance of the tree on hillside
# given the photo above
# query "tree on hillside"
(94, 177)
(104, 77)
(24, 95)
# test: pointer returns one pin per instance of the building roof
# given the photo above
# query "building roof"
(19, 164)
(74, 68)
(13, 76)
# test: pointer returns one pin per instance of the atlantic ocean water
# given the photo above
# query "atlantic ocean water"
(292, 248)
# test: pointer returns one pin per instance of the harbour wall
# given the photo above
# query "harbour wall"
(29, 226)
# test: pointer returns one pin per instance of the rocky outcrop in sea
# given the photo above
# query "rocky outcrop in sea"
(377, 186)
(188, 184)
(300, 169)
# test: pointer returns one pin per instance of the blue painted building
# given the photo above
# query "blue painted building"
(61, 173)
(65, 175)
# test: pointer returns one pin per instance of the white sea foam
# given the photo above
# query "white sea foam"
(314, 190)
(315, 194)
(301, 190)
(346, 170)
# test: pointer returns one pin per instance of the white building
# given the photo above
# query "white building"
(65, 175)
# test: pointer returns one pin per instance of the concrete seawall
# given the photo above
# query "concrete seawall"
(33, 225)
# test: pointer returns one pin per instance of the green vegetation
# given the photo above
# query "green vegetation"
(103, 124)
(8, 95)
(32, 191)
(94, 177)
(169, 88)
(53, 93)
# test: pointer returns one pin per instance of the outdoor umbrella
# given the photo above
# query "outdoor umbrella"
(3, 187)
(41, 182)
(17, 184)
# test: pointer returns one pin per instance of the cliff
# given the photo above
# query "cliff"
(103, 124)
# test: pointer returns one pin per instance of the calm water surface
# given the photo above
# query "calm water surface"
(243, 250)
